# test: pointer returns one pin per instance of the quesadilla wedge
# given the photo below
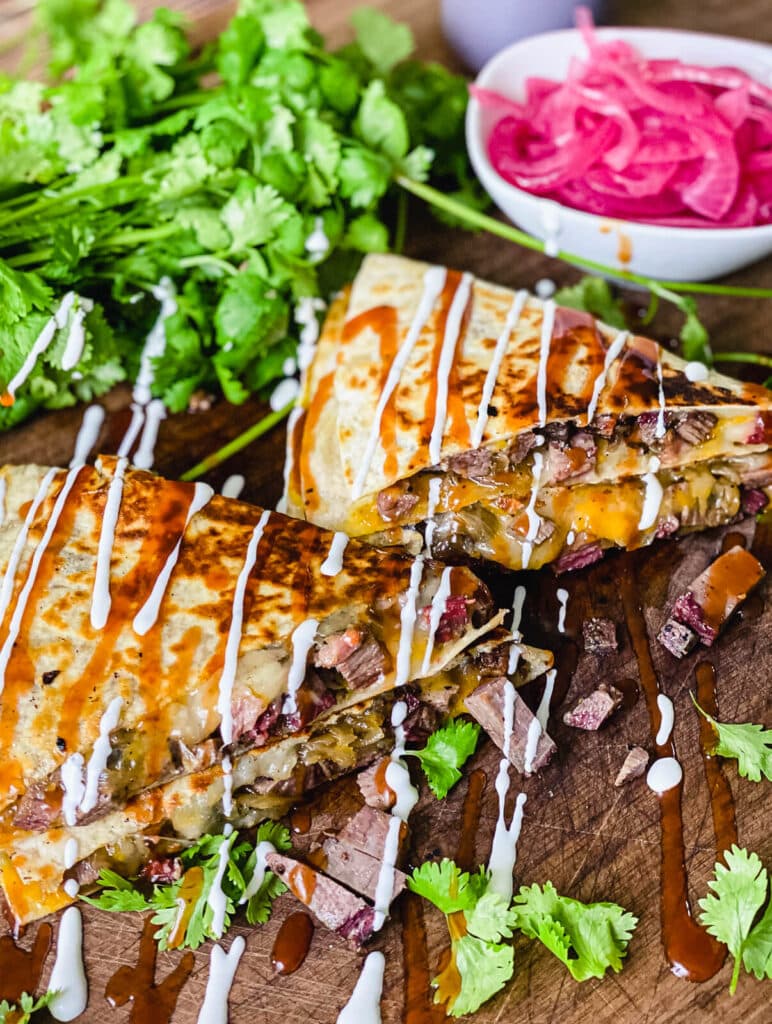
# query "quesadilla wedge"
(170, 657)
(525, 432)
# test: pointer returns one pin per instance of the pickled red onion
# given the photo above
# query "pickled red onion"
(657, 141)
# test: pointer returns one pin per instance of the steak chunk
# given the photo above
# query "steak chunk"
(479, 464)
(753, 501)
(600, 636)
(394, 505)
(592, 711)
(716, 592)
(335, 907)
(364, 665)
(374, 788)
(354, 855)
(677, 638)
(486, 705)
(570, 561)
(695, 427)
(633, 766)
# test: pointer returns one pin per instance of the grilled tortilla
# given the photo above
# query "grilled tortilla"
(110, 709)
(528, 432)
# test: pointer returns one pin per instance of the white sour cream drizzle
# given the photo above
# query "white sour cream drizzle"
(534, 520)
(612, 352)
(99, 755)
(230, 662)
(696, 372)
(73, 788)
(144, 456)
(132, 431)
(292, 422)
(21, 604)
(502, 344)
(545, 342)
(517, 612)
(305, 317)
(101, 600)
(562, 596)
(666, 719)
(447, 355)
(86, 438)
(550, 220)
(652, 499)
(406, 797)
(41, 343)
(286, 391)
(407, 622)
(503, 855)
(437, 610)
(434, 282)
(6, 589)
(216, 898)
(660, 428)
(71, 887)
(222, 968)
(545, 288)
(68, 978)
(258, 875)
(70, 853)
(302, 641)
(233, 486)
(333, 563)
(76, 336)
(317, 243)
(364, 1006)
(664, 774)
(431, 508)
(155, 343)
(147, 616)
(538, 725)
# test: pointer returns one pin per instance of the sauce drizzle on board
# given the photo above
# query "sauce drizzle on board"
(136, 985)
(419, 1007)
(470, 820)
(721, 801)
(292, 942)
(20, 969)
(691, 952)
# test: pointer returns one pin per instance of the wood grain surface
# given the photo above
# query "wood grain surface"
(592, 840)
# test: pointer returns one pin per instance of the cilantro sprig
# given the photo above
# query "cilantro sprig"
(21, 1011)
(445, 753)
(740, 889)
(748, 743)
(121, 895)
(588, 938)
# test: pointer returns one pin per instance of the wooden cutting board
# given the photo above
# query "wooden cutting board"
(591, 840)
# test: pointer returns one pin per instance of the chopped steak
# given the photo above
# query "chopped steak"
(571, 561)
(604, 425)
(647, 427)
(394, 506)
(354, 855)
(162, 870)
(566, 462)
(373, 786)
(667, 527)
(677, 638)
(452, 621)
(600, 636)
(333, 905)
(363, 666)
(367, 831)
(520, 448)
(695, 427)
(759, 433)
(486, 704)
(757, 476)
(337, 647)
(753, 500)
(40, 806)
(592, 711)
(716, 592)
(479, 464)
(633, 766)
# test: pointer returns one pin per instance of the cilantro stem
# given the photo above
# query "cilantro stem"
(742, 357)
(205, 259)
(482, 221)
(238, 443)
(120, 240)
(401, 227)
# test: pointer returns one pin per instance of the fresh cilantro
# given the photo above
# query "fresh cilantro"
(587, 937)
(121, 895)
(21, 1011)
(446, 751)
(383, 42)
(740, 889)
(593, 295)
(750, 744)
(480, 964)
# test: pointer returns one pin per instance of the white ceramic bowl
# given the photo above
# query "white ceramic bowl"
(677, 254)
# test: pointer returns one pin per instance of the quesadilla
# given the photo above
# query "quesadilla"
(171, 659)
(522, 432)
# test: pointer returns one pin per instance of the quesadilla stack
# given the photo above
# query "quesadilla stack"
(523, 432)
(171, 659)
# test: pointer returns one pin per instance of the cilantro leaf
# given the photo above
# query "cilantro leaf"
(22, 1011)
(446, 751)
(483, 968)
(757, 951)
(117, 894)
(593, 295)
(444, 885)
(490, 918)
(694, 337)
(259, 906)
(750, 744)
(739, 891)
(383, 42)
(587, 937)
(380, 123)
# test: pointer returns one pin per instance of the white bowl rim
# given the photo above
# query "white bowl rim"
(475, 141)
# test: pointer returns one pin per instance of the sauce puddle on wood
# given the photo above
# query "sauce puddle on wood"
(470, 820)
(292, 942)
(419, 1007)
(690, 951)
(149, 1002)
(20, 969)
(300, 819)
(721, 802)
